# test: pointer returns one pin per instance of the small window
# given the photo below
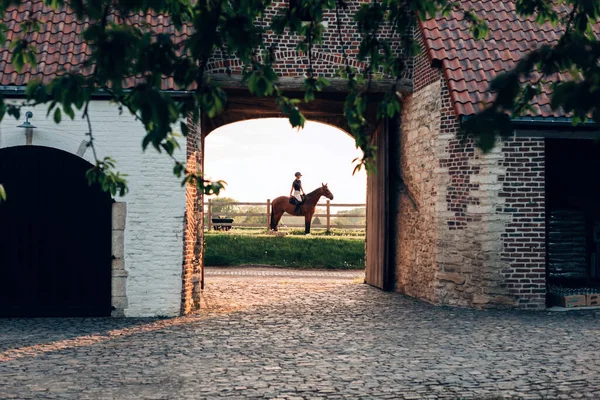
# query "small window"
(304, 14)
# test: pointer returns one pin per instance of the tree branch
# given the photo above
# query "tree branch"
(86, 115)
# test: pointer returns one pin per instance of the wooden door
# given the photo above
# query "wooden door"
(55, 236)
(378, 218)
(201, 241)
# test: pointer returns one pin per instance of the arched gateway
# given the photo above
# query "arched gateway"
(55, 236)
(327, 108)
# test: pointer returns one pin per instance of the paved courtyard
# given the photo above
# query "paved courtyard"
(265, 333)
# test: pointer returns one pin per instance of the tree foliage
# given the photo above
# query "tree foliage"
(342, 219)
(255, 219)
(230, 28)
(224, 206)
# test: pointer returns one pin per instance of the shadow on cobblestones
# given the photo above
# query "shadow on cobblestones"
(296, 338)
(42, 331)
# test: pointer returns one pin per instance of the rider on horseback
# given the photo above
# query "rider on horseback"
(287, 204)
(297, 192)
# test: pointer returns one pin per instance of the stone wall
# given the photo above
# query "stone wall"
(119, 274)
(493, 226)
(465, 258)
(417, 218)
(153, 230)
(471, 226)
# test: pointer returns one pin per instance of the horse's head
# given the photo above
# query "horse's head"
(325, 191)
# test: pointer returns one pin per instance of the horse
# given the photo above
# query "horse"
(282, 204)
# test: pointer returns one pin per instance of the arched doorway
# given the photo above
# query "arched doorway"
(55, 236)
(328, 108)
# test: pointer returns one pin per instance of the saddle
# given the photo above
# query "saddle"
(295, 202)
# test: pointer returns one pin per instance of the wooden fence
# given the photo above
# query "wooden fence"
(209, 212)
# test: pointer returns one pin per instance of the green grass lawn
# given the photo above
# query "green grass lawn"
(319, 251)
(335, 232)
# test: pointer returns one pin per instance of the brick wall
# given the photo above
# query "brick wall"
(424, 74)
(192, 246)
(327, 56)
(469, 261)
(471, 225)
(524, 238)
(494, 217)
(155, 204)
(456, 159)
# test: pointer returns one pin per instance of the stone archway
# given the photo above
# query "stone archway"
(328, 108)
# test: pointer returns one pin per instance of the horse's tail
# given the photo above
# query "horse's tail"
(272, 216)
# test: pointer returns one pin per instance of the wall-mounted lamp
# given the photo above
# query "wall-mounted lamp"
(29, 127)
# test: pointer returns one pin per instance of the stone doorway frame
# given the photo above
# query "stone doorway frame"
(119, 275)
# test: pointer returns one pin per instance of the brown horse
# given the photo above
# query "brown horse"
(282, 204)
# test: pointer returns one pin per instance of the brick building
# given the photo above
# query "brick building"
(503, 225)
(446, 223)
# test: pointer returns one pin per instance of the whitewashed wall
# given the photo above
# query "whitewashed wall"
(155, 202)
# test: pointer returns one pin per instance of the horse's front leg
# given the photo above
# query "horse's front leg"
(307, 220)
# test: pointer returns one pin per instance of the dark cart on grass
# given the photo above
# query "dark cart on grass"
(222, 224)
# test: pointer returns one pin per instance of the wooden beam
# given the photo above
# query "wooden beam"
(326, 108)
(267, 105)
(296, 84)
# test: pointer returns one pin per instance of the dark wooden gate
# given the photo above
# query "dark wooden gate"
(378, 218)
(55, 236)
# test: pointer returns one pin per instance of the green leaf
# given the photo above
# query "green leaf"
(296, 118)
(31, 57)
(2, 193)
(3, 30)
(69, 111)
(184, 128)
(18, 60)
(323, 82)
(391, 110)
(57, 115)
(178, 169)
(309, 95)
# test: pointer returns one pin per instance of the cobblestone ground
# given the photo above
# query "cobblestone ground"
(316, 335)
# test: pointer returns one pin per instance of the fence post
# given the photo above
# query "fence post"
(268, 214)
(209, 214)
(328, 215)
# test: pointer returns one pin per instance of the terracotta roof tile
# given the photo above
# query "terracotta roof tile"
(60, 45)
(470, 65)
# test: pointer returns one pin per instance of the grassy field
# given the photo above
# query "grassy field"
(343, 233)
(297, 251)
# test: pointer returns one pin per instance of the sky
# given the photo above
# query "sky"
(258, 158)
